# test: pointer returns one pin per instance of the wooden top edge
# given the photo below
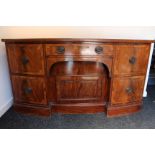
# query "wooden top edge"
(44, 40)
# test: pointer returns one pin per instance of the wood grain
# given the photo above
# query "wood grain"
(79, 49)
(78, 82)
(68, 75)
(33, 53)
(74, 40)
(129, 89)
(124, 54)
(37, 95)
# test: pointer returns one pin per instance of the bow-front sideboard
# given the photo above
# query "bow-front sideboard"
(77, 75)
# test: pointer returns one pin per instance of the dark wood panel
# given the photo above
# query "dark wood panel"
(29, 89)
(79, 89)
(131, 59)
(78, 108)
(26, 59)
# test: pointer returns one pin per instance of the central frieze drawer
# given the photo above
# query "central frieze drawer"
(79, 49)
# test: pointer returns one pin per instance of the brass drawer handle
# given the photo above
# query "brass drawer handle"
(99, 49)
(27, 90)
(132, 60)
(25, 60)
(129, 90)
(60, 49)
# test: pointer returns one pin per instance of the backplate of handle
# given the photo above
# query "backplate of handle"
(60, 49)
(132, 60)
(27, 90)
(99, 49)
(129, 90)
(25, 60)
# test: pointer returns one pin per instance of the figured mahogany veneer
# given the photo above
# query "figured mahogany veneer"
(131, 59)
(129, 89)
(26, 58)
(77, 75)
(79, 49)
(30, 89)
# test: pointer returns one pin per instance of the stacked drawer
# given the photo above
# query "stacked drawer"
(27, 73)
(129, 69)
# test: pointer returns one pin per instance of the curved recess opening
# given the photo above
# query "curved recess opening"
(79, 82)
(79, 68)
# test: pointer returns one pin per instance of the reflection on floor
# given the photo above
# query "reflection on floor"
(143, 119)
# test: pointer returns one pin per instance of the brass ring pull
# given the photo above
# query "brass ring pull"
(129, 90)
(25, 60)
(60, 49)
(132, 60)
(99, 49)
(27, 90)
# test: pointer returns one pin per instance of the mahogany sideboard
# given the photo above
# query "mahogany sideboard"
(77, 75)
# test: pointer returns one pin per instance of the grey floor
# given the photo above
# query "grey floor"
(142, 120)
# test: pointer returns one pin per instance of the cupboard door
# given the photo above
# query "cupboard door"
(131, 59)
(26, 58)
(29, 89)
(126, 90)
(81, 89)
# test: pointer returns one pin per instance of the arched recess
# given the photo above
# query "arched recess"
(81, 85)
(107, 62)
(81, 68)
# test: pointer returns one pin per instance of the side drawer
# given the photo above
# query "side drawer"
(26, 58)
(29, 89)
(131, 59)
(126, 90)
(79, 49)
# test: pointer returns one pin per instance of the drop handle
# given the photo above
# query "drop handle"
(99, 49)
(27, 90)
(129, 90)
(132, 60)
(60, 49)
(25, 60)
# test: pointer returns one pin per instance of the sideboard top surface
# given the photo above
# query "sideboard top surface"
(54, 40)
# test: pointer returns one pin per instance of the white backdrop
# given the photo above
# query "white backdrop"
(79, 32)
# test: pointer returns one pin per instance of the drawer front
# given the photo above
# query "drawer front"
(29, 89)
(131, 59)
(79, 49)
(125, 90)
(26, 58)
